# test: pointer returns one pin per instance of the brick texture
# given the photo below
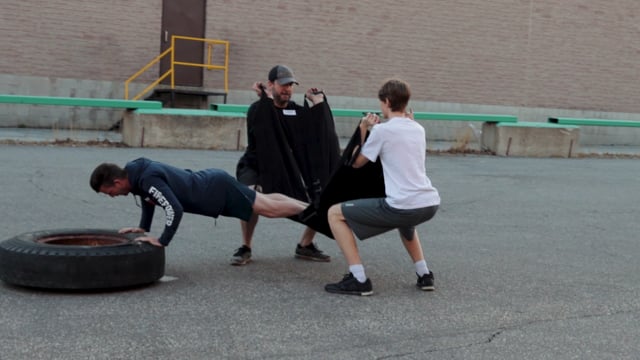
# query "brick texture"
(544, 53)
(96, 40)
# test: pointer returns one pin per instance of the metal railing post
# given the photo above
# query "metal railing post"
(171, 72)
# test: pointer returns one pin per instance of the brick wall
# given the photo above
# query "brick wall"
(524, 53)
(97, 40)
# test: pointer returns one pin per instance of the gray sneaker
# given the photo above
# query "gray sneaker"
(311, 252)
(242, 256)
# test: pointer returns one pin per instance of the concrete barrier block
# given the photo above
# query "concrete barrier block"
(188, 130)
(531, 139)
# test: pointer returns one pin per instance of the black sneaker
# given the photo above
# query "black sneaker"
(242, 256)
(311, 252)
(351, 286)
(425, 282)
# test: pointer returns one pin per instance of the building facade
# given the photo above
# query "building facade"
(530, 58)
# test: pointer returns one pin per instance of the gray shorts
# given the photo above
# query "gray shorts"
(370, 217)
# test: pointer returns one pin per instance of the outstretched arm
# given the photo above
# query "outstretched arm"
(145, 220)
(150, 239)
(160, 193)
(365, 123)
(127, 230)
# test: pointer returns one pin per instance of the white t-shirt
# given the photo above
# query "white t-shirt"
(401, 145)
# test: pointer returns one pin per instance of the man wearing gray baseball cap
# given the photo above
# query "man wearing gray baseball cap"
(292, 149)
(282, 75)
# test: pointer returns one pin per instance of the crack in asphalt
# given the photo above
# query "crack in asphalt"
(495, 334)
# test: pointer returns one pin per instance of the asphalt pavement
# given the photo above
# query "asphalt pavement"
(533, 258)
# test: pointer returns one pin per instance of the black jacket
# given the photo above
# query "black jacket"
(177, 191)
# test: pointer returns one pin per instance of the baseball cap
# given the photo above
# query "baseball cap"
(282, 74)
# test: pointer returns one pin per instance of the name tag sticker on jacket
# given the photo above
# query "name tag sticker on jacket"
(289, 112)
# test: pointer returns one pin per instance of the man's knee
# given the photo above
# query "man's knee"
(335, 212)
(263, 205)
(259, 202)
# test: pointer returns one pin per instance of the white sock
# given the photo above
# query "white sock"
(421, 267)
(358, 272)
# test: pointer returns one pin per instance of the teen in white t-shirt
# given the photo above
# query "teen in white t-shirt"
(400, 144)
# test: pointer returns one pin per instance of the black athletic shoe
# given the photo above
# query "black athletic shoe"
(350, 286)
(311, 252)
(425, 282)
(242, 256)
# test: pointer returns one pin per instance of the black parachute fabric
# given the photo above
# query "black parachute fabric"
(276, 164)
(346, 183)
(317, 150)
(300, 157)
(296, 156)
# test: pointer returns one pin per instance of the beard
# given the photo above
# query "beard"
(281, 99)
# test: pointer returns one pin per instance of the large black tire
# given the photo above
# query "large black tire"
(79, 259)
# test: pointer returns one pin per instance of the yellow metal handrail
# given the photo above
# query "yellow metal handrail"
(171, 72)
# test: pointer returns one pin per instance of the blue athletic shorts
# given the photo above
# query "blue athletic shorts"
(239, 199)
